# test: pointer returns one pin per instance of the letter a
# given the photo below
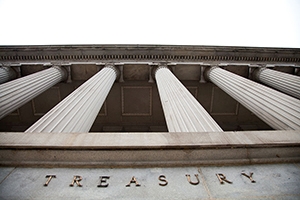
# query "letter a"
(133, 180)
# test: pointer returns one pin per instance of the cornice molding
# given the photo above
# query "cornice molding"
(121, 53)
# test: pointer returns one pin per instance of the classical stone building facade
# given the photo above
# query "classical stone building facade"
(173, 109)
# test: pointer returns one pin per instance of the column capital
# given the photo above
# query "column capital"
(207, 72)
(161, 66)
(114, 67)
(63, 71)
(256, 73)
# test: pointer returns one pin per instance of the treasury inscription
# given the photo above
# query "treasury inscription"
(162, 180)
(277, 181)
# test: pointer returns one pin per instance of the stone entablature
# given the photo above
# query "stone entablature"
(121, 53)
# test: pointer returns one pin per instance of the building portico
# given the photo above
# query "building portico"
(147, 118)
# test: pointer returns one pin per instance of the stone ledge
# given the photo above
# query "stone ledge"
(149, 140)
(147, 158)
(148, 149)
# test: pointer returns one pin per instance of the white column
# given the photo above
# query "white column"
(77, 112)
(287, 83)
(7, 74)
(16, 93)
(279, 110)
(182, 111)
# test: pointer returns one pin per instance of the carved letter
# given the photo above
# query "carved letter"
(103, 179)
(163, 179)
(222, 178)
(76, 180)
(133, 180)
(250, 177)
(189, 179)
(49, 179)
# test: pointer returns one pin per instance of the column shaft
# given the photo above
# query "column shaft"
(77, 112)
(287, 83)
(278, 110)
(16, 93)
(7, 74)
(182, 111)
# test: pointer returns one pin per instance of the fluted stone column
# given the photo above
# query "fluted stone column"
(279, 110)
(16, 93)
(287, 83)
(7, 74)
(182, 111)
(77, 112)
